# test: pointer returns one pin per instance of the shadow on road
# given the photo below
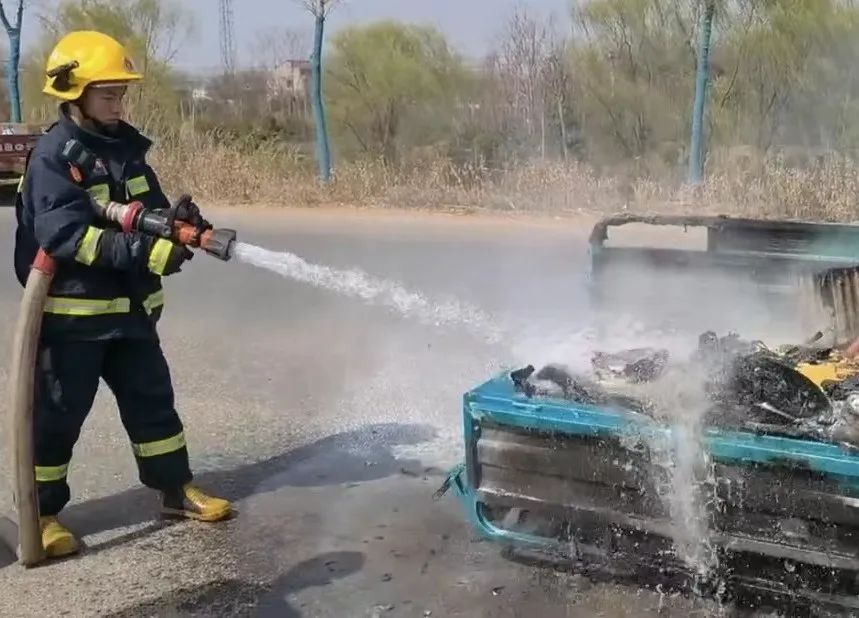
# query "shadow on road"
(238, 598)
(355, 456)
(350, 457)
(7, 557)
(313, 573)
(8, 193)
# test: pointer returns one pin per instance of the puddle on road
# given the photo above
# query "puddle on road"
(357, 456)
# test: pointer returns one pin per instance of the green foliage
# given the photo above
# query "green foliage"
(616, 90)
(789, 73)
(782, 76)
(389, 84)
(150, 29)
(635, 66)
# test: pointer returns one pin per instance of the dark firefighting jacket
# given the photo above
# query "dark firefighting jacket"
(108, 283)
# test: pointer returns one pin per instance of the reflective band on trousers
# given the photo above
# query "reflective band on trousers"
(160, 447)
(89, 307)
(159, 255)
(137, 185)
(46, 474)
(89, 246)
(86, 306)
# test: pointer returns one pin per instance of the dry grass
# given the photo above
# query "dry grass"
(213, 170)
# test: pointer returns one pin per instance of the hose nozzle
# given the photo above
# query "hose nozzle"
(216, 242)
(219, 243)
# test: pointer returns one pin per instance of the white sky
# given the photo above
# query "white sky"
(470, 25)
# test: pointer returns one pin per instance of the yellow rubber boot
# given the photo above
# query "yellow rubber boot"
(56, 538)
(191, 503)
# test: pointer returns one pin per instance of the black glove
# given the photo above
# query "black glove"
(166, 258)
(184, 209)
(178, 256)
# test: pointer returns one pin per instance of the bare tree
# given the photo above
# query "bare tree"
(276, 45)
(556, 77)
(524, 53)
(320, 7)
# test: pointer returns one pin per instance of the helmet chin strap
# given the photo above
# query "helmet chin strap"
(97, 125)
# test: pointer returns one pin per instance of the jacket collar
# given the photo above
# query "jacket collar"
(127, 138)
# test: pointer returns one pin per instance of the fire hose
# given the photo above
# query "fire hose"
(25, 346)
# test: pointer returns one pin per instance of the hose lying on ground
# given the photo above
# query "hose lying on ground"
(25, 349)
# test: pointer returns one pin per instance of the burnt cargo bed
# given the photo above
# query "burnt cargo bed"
(579, 485)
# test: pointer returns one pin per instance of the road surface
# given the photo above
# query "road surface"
(330, 424)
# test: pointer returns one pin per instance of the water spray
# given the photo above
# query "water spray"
(358, 284)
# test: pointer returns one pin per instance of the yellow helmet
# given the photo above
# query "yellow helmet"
(84, 58)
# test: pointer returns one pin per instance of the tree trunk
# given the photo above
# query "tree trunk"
(323, 155)
(12, 73)
(562, 121)
(543, 132)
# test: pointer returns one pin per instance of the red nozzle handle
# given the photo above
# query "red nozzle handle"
(186, 234)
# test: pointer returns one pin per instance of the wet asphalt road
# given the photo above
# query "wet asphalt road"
(330, 424)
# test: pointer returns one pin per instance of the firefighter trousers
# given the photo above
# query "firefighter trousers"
(136, 372)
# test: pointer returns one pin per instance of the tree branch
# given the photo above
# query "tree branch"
(736, 71)
(357, 135)
(319, 8)
(687, 37)
(5, 19)
(615, 122)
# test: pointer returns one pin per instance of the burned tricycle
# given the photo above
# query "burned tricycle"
(730, 466)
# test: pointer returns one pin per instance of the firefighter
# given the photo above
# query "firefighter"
(106, 297)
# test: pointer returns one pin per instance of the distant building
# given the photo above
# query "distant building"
(200, 94)
(290, 79)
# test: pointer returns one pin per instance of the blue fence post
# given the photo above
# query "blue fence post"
(696, 157)
(323, 154)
